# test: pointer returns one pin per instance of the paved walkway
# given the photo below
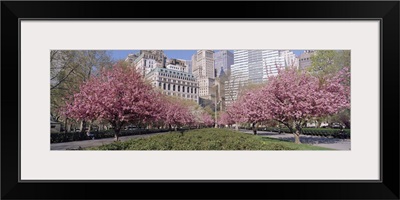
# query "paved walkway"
(333, 143)
(96, 142)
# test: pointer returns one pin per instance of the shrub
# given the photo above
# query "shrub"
(205, 139)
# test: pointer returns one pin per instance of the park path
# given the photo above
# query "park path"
(333, 143)
(96, 142)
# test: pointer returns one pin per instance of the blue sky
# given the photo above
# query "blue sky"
(179, 54)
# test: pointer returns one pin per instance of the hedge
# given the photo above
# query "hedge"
(206, 139)
(323, 132)
(69, 137)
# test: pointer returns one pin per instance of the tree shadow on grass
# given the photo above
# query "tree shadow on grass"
(313, 140)
(303, 138)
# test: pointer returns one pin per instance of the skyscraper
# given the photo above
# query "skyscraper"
(275, 59)
(203, 64)
(254, 66)
(203, 70)
(239, 75)
(222, 61)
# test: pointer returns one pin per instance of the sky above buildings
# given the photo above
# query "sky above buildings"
(179, 54)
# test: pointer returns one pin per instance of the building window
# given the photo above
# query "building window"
(183, 88)
(173, 87)
(164, 86)
(179, 88)
(187, 89)
(191, 91)
(169, 88)
(195, 90)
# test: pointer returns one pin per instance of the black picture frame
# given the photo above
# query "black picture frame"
(386, 11)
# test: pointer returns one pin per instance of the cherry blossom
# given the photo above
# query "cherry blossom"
(117, 95)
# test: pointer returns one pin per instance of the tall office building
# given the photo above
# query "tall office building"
(275, 59)
(203, 64)
(239, 75)
(290, 58)
(305, 59)
(222, 61)
(203, 70)
(255, 66)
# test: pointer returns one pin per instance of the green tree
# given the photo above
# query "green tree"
(329, 62)
(68, 70)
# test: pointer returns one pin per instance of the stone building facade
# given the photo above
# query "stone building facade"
(305, 59)
(175, 83)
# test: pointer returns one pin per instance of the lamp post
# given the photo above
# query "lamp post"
(215, 113)
(216, 104)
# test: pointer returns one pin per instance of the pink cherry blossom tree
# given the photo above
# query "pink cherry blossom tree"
(293, 97)
(225, 119)
(117, 95)
(252, 103)
(176, 113)
(207, 119)
(236, 113)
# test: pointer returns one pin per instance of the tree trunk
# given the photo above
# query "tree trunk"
(170, 127)
(83, 126)
(116, 134)
(297, 137)
(117, 130)
(237, 126)
(295, 134)
(347, 124)
(254, 128)
(176, 128)
(66, 125)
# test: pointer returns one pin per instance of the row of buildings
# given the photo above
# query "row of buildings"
(213, 76)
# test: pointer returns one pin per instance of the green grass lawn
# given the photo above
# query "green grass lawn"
(206, 139)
